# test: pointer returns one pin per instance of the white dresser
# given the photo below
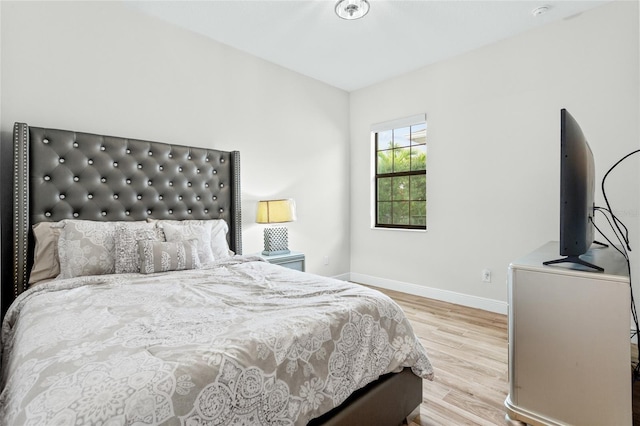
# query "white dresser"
(569, 340)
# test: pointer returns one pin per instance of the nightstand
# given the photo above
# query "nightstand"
(293, 260)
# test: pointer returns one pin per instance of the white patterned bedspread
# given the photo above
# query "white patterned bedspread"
(242, 343)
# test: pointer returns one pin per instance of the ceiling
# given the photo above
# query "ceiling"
(395, 37)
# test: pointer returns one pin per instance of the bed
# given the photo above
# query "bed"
(134, 304)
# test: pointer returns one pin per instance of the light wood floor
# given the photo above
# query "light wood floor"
(468, 349)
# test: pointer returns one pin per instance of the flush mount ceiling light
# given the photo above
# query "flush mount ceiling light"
(352, 9)
(540, 10)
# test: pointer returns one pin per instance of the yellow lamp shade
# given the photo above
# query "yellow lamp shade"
(276, 211)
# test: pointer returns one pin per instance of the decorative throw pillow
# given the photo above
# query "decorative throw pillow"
(86, 247)
(127, 236)
(219, 230)
(161, 256)
(45, 256)
(191, 231)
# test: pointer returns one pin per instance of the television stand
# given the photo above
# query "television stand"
(577, 260)
(573, 259)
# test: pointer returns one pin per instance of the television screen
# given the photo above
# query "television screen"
(577, 189)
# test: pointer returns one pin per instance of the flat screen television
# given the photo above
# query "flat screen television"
(577, 190)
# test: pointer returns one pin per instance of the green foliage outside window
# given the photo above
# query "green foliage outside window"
(401, 185)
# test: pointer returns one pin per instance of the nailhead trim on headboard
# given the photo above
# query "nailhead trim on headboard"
(20, 207)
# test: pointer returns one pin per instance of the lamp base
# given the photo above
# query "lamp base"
(276, 241)
(274, 253)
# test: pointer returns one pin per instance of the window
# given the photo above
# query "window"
(400, 182)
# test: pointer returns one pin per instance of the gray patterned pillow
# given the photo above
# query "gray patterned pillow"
(160, 256)
(86, 247)
(126, 242)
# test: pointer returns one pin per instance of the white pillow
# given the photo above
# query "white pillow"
(191, 231)
(219, 244)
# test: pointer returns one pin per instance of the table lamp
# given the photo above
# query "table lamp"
(276, 211)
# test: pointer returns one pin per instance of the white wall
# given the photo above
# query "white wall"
(105, 68)
(493, 152)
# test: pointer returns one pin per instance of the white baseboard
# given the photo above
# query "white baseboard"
(430, 292)
(343, 277)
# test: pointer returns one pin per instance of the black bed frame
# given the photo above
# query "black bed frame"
(60, 174)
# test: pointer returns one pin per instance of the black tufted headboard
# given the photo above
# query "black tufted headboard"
(60, 174)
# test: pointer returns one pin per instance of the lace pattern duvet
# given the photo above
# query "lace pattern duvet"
(242, 342)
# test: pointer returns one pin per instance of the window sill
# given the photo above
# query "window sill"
(375, 228)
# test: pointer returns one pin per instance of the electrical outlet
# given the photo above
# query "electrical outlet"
(486, 275)
(326, 260)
